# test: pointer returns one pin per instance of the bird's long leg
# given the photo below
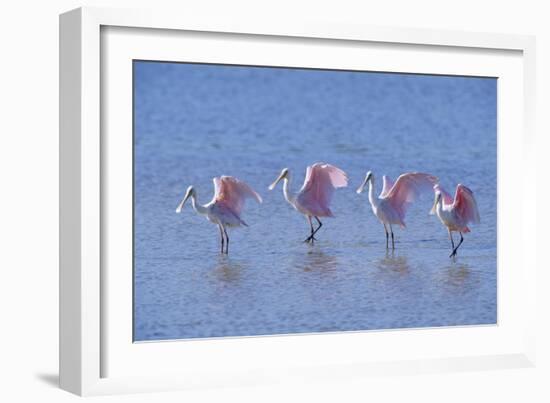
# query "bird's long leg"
(313, 231)
(221, 235)
(458, 246)
(387, 236)
(319, 227)
(226, 241)
(452, 243)
(392, 240)
(310, 237)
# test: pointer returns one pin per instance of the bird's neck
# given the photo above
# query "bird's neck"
(372, 197)
(199, 208)
(286, 191)
(439, 207)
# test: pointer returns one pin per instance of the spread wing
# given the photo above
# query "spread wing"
(447, 198)
(407, 188)
(387, 185)
(232, 193)
(320, 182)
(465, 205)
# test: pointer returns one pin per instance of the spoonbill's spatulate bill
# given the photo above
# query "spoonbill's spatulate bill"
(226, 207)
(313, 199)
(455, 213)
(391, 205)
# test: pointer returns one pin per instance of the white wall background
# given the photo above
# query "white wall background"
(29, 198)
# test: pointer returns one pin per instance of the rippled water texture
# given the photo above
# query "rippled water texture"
(194, 122)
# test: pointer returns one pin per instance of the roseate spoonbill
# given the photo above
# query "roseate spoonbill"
(313, 199)
(391, 205)
(455, 213)
(225, 208)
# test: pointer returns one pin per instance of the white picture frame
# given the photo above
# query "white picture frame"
(96, 355)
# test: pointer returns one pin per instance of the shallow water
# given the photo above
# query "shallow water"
(194, 122)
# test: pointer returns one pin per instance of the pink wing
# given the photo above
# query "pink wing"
(465, 205)
(318, 188)
(232, 193)
(407, 188)
(387, 185)
(447, 198)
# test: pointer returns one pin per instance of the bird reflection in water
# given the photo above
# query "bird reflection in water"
(227, 269)
(391, 262)
(315, 260)
(457, 275)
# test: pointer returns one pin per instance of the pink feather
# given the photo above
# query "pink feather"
(465, 205)
(321, 180)
(231, 193)
(406, 189)
(447, 198)
(387, 184)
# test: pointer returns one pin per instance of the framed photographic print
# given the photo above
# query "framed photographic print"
(244, 201)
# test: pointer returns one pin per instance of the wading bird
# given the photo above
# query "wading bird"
(391, 205)
(225, 208)
(455, 213)
(313, 199)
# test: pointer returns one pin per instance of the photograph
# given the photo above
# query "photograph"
(275, 200)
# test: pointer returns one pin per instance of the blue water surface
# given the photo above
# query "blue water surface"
(193, 122)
